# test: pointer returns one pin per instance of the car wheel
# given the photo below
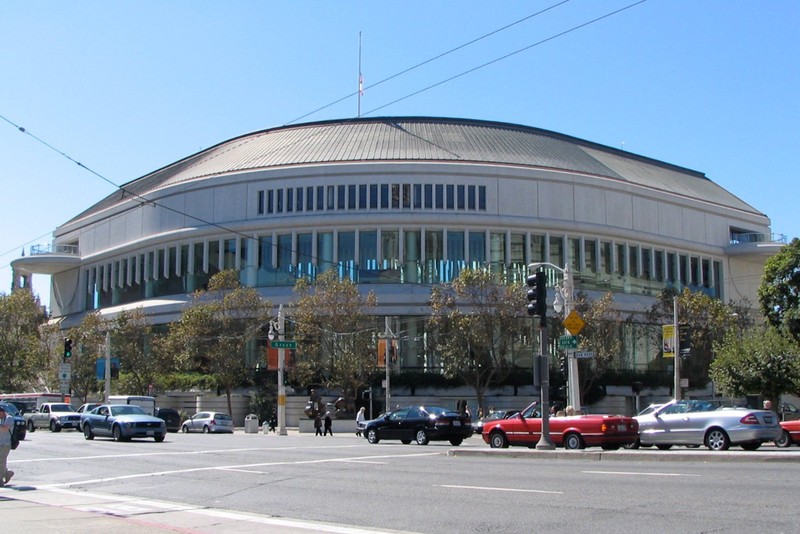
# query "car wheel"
(663, 446)
(87, 432)
(54, 427)
(405, 441)
(456, 442)
(717, 440)
(184, 429)
(117, 432)
(422, 437)
(206, 430)
(497, 440)
(750, 446)
(159, 439)
(784, 440)
(31, 428)
(372, 436)
(635, 445)
(573, 441)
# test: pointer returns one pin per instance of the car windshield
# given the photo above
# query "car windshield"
(10, 409)
(127, 410)
(61, 408)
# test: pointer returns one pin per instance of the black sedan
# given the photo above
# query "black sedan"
(420, 424)
(19, 421)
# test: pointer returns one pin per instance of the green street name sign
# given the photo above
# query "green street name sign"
(568, 342)
(283, 344)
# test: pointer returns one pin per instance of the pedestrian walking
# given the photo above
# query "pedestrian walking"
(317, 425)
(6, 428)
(273, 421)
(360, 419)
(328, 424)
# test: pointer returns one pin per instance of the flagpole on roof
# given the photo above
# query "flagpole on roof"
(360, 77)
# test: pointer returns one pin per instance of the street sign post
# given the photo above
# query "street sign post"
(277, 344)
(567, 342)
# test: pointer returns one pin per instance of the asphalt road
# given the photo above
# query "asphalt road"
(303, 483)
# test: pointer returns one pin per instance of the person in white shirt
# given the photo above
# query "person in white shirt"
(6, 428)
(360, 419)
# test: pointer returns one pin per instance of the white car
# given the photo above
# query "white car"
(695, 422)
(208, 422)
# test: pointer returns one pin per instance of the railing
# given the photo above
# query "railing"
(737, 239)
(57, 249)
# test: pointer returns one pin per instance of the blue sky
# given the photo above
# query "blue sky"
(125, 88)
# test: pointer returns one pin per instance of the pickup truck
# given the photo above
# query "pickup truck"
(53, 415)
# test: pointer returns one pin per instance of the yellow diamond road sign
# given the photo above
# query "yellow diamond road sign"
(574, 323)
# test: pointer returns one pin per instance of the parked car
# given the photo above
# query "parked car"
(89, 406)
(53, 415)
(171, 416)
(571, 432)
(421, 424)
(122, 422)
(697, 422)
(208, 422)
(477, 426)
(789, 412)
(19, 420)
(790, 433)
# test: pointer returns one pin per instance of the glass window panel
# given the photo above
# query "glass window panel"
(260, 203)
(482, 198)
(330, 203)
(537, 248)
(299, 194)
(284, 252)
(384, 196)
(368, 250)
(417, 196)
(455, 246)
(574, 254)
(395, 196)
(451, 201)
(362, 196)
(228, 254)
(289, 200)
(557, 250)
(439, 196)
(428, 196)
(373, 196)
(471, 197)
(633, 260)
(406, 196)
(309, 199)
(320, 198)
(341, 197)
(517, 249)
(434, 246)
(271, 201)
(460, 197)
(351, 197)
(590, 255)
(477, 247)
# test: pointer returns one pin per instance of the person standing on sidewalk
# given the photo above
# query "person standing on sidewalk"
(360, 420)
(6, 428)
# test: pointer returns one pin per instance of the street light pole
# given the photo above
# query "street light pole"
(279, 326)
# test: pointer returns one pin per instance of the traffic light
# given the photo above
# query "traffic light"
(562, 361)
(67, 348)
(537, 295)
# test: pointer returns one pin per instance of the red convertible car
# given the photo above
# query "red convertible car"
(790, 433)
(572, 432)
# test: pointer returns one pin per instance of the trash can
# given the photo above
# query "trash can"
(251, 424)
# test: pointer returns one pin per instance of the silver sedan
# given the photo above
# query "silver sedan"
(695, 423)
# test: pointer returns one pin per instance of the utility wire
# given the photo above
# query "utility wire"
(143, 201)
(434, 58)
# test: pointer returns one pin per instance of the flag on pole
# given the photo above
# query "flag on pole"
(360, 84)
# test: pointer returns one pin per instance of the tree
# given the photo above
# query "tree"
(24, 357)
(334, 329)
(601, 335)
(760, 360)
(217, 328)
(708, 320)
(476, 322)
(779, 293)
(141, 364)
(88, 340)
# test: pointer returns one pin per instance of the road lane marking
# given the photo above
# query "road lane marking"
(639, 473)
(228, 467)
(489, 488)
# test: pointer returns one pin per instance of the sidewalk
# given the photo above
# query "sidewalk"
(28, 510)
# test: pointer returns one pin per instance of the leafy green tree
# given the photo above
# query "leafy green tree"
(476, 323)
(141, 366)
(334, 328)
(708, 318)
(215, 331)
(88, 340)
(24, 354)
(779, 293)
(761, 360)
(601, 335)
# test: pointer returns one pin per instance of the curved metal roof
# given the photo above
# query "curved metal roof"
(426, 140)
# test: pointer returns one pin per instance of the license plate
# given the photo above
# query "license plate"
(456, 423)
(150, 432)
(622, 428)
